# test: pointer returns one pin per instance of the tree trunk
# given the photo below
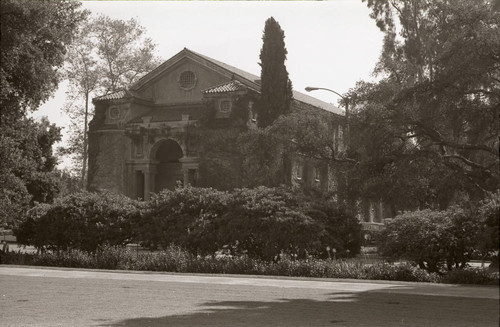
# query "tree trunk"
(84, 154)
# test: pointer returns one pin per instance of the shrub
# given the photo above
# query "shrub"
(185, 217)
(83, 221)
(263, 222)
(488, 214)
(432, 239)
(342, 231)
(401, 272)
(472, 276)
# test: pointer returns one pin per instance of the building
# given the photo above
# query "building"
(138, 143)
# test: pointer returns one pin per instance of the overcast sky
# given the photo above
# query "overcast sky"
(330, 44)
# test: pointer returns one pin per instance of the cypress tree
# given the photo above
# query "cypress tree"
(276, 87)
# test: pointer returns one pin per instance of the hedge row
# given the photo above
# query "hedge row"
(261, 223)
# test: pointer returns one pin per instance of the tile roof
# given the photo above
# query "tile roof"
(231, 86)
(111, 96)
(122, 94)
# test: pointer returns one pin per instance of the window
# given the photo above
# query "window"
(254, 117)
(253, 112)
(298, 170)
(114, 112)
(225, 106)
(187, 80)
(317, 174)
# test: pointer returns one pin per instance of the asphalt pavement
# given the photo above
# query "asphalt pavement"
(35, 296)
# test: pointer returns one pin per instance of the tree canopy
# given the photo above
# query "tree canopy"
(35, 37)
(429, 127)
(109, 55)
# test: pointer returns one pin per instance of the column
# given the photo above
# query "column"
(147, 184)
(185, 172)
(371, 211)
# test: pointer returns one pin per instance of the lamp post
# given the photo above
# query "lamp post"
(346, 100)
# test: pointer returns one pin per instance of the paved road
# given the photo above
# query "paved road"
(63, 297)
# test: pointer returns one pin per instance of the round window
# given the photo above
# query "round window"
(187, 80)
(114, 113)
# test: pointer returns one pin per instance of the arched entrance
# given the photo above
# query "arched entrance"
(168, 167)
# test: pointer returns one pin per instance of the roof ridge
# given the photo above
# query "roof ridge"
(251, 78)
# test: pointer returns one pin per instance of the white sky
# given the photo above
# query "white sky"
(330, 44)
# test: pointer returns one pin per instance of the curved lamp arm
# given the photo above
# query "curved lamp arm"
(312, 88)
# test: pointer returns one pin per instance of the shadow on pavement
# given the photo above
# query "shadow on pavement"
(374, 308)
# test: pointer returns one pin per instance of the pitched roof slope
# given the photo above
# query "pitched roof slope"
(250, 80)
(256, 79)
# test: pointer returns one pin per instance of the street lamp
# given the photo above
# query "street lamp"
(346, 101)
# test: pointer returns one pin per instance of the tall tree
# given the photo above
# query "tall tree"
(433, 117)
(35, 37)
(276, 87)
(83, 76)
(110, 55)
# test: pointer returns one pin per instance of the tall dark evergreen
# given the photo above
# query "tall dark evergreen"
(276, 87)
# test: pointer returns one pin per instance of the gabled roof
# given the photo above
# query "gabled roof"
(247, 79)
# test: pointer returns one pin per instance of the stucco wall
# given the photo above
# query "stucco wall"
(166, 89)
(107, 158)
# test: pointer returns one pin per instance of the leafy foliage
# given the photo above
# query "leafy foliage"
(80, 221)
(428, 127)
(276, 87)
(262, 222)
(488, 213)
(108, 55)
(432, 239)
(175, 259)
(265, 221)
(186, 217)
(26, 173)
(35, 37)
(341, 230)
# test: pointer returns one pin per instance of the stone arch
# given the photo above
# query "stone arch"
(166, 155)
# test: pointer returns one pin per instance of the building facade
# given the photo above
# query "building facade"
(138, 140)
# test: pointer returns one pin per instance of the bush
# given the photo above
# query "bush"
(342, 231)
(401, 272)
(263, 222)
(432, 239)
(488, 214)
(185, 217)
(83, 221)
(471, 276)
